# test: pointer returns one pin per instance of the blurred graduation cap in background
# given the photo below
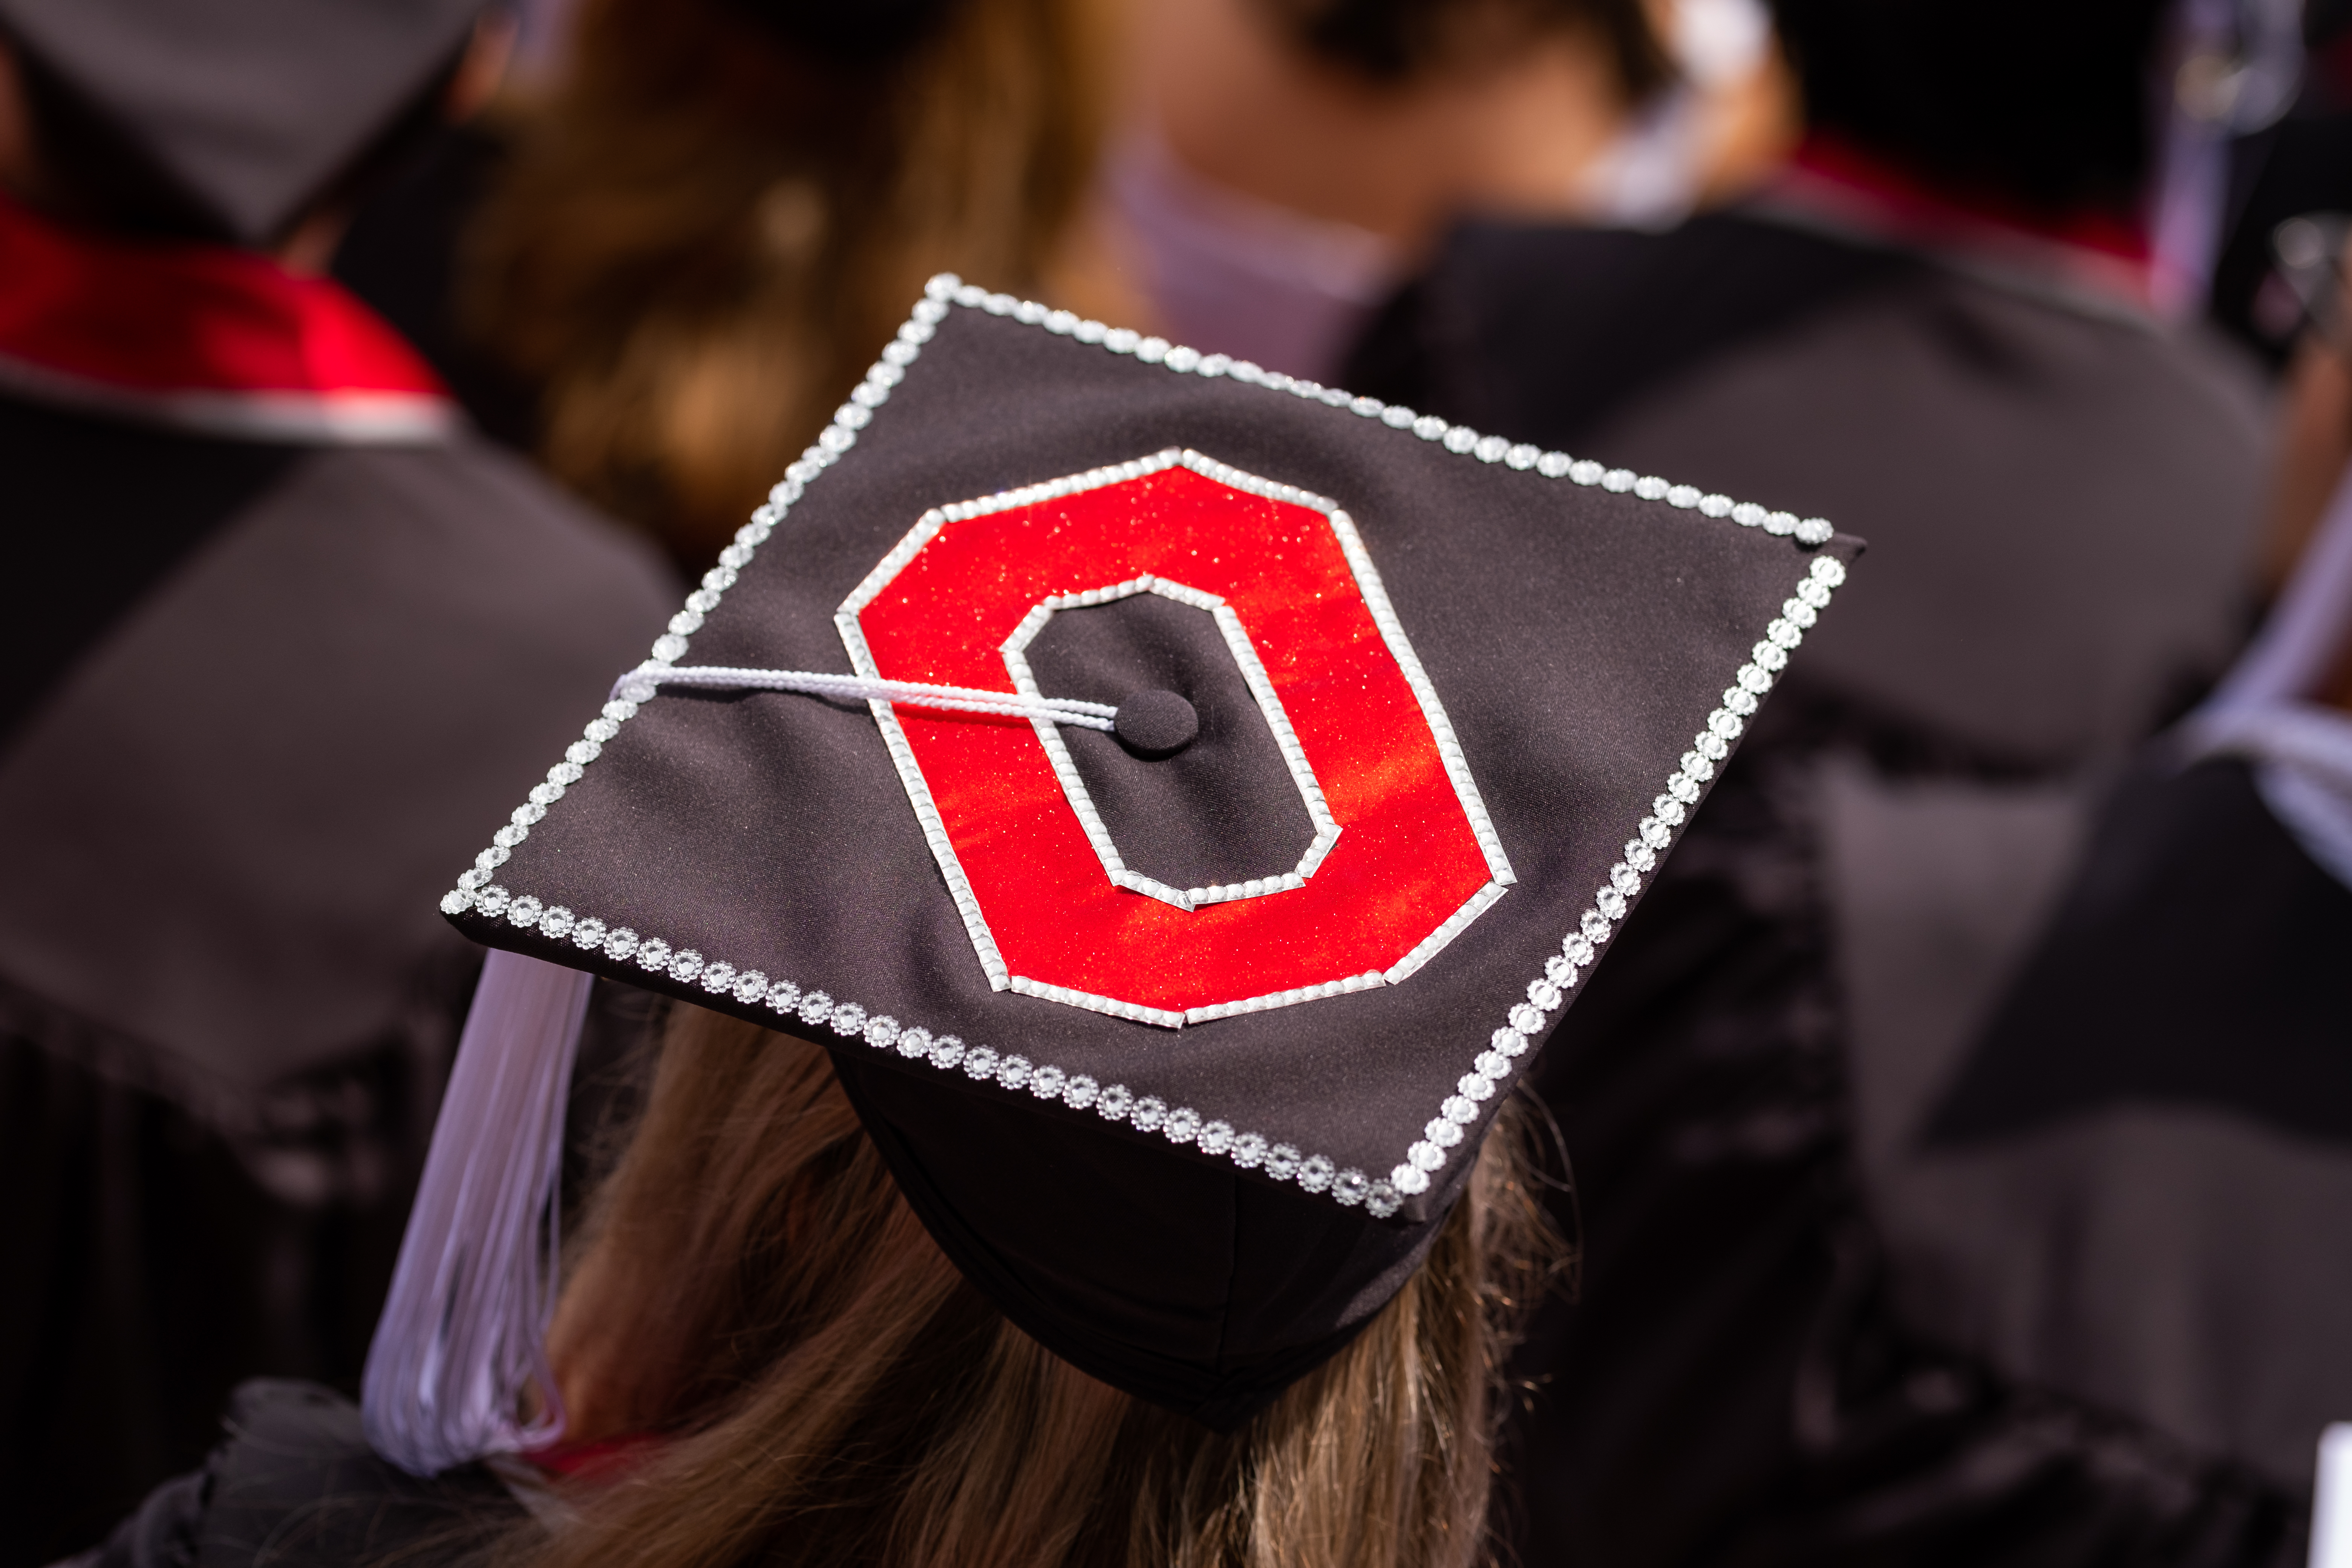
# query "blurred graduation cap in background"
(1181, 798)
(224, 119)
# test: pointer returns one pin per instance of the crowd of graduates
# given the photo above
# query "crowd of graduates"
(1957, 1142)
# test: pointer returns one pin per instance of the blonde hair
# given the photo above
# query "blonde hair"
(703, 235)
(832, 1392)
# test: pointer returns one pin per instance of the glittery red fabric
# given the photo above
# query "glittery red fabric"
(1405, 859)
(175, 317)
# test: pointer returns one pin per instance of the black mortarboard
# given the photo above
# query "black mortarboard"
(1180, 1049)
(246, 109)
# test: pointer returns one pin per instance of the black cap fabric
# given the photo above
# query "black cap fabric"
(1181, 1053)
(249, 108)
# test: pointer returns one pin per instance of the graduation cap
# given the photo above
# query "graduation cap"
(1180, 796)
(246, 110)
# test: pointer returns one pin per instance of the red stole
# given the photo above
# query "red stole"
(205, 337)
(1854, 188)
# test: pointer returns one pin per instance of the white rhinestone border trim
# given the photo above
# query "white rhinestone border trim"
(1277, 721)
(1249, 1151)
(809, 1011)
(1549, 992)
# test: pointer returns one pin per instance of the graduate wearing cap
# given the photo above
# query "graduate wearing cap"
(282, 639)
(2153, 1129)
(1941, 327)
(1125, 822)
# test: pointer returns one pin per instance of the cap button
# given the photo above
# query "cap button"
(1155, 723)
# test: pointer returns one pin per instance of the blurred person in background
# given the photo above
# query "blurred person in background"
(2151, 1137)
(722, 207)
(1938, 328)
(1286, 162)
(285, 640)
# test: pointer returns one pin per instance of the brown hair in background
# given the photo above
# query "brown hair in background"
(835, 1393)
(707, 234)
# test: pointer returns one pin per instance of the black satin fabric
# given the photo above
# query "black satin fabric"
(2129, 1178)
(2060, 494)
(84, 526)
(1196, 1288)
(258, 702)
(2200, 958)
(1487, 336)
(1736, 1385)
(2058, 498)
(224, 119)
(292, 1483)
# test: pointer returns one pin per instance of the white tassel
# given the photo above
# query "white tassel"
(640, 684)
(464, 1331)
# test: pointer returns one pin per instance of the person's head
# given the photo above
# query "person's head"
(260, 125)
(723, 208)
(828, 1389)
(2041, 106)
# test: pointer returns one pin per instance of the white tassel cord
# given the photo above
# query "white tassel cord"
(463, 1328)
(640, 684)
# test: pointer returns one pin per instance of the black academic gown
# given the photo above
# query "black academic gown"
(293, 1484)
(261, 701)
(2057, 495)
(2144, 1157)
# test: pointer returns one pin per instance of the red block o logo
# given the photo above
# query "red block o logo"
(1403, 856)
